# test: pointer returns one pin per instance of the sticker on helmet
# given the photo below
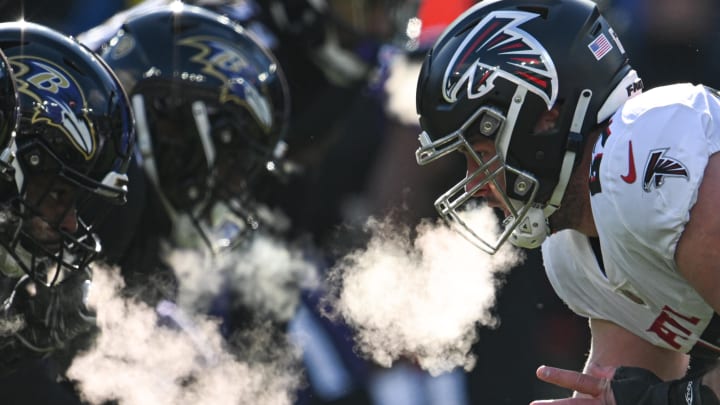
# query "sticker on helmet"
(497, 47)
(60, 101)
(600, 46)
(224, 62)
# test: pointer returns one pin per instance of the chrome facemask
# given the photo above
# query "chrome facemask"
(525, 224)
(22, 253)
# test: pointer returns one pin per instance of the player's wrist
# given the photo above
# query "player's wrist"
(638, 386)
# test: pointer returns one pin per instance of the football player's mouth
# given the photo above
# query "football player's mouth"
(486, 194)
(49, 241)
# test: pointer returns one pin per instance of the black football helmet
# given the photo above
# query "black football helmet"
(211, 107)
(492, 73)
(70, 154)
(342, 38)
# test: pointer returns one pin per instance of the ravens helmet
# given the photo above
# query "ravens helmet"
(71, 151)
(211, 106)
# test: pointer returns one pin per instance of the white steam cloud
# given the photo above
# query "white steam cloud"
(266, 275)
(424, 299)
(400, 88)
(138, 359)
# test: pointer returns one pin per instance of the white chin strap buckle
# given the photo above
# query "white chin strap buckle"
(531, 231)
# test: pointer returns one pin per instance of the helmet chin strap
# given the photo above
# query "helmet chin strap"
(534, 228)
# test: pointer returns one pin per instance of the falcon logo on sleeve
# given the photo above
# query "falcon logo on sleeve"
(497, 47)
(658, 167)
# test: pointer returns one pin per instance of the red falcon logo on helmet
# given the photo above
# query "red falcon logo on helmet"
(498, 47)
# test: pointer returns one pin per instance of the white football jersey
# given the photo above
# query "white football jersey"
(644, 180)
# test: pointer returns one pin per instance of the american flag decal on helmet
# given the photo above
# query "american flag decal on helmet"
(498, 47)
(600, 46)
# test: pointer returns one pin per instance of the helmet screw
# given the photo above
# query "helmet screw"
(487, 127)
(34, 159)
(518, 100)
(192, 193)
(521, 187)
(226, 136)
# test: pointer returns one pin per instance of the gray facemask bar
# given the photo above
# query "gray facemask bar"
(9, 166)
(491, 121)
(146, 151)
(202, 123)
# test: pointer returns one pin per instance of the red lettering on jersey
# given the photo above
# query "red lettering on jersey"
(669, 328)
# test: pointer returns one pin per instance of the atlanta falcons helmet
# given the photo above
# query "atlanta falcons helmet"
(69, 158)
(211, 107)
(493, 73)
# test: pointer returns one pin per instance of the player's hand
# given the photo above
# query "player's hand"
(52, 316)
(589, 389)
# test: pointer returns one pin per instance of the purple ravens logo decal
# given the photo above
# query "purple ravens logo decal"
(660, 166)
(498, 47)
(59, 100)
(224, 62)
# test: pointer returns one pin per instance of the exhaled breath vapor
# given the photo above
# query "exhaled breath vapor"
(420, 300)
(138, 359)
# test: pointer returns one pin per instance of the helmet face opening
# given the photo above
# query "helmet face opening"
(71, 150)
(523, 61)
(208, 160)
(489, 171)
(47, 229)
(211, 106)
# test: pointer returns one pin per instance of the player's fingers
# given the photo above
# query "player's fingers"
(572, 380)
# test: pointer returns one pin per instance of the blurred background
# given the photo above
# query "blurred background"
(353, 133)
